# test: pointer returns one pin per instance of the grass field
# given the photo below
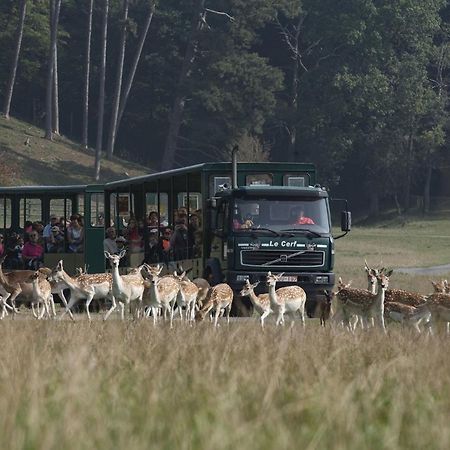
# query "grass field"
(129, 385)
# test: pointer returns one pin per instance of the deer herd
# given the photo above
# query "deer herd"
(145, 292)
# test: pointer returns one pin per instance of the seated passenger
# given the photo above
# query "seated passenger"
(134, 237)
(181, 241)
(2, 246)
(301, 219)
(13, 252)
(152, 220)
(54, 221)
(55, 243)
(75, 235)
(109, 243)
(32, 252)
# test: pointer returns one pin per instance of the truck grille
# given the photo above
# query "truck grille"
(262, 257)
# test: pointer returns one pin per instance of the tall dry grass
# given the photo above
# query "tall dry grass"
(130, 385)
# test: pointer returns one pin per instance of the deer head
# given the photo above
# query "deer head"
(114, 260)
(248, 288)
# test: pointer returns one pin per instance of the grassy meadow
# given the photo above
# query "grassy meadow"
(129, 385)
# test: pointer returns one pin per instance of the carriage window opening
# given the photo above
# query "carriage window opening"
(5, 213)
(195, 201)
(97, 210)
(80, 205)
(151, 205)
(120, 209)
(57, 208)
(30, 210)
(295, 180)
(259, 179)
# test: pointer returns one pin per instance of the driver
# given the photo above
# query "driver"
(301, 219)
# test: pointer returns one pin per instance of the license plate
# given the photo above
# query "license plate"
(288, 278)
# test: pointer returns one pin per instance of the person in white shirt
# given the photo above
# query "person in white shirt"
(109, 243)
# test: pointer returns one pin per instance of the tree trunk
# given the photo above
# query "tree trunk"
(87, 68)
(15, 62)
(409, 158)
(55, 6)
(294, 107)
(101, 98)
(118, 87)
(55, 112)
(137, 56)
(427, 187)
(176, 113)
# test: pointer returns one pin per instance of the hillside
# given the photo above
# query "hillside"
(29, 159)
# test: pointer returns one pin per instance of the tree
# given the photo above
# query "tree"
(101, 97)
(118, 86)
(18, 43)
(55, 111)
(55, 6)
(87, 68)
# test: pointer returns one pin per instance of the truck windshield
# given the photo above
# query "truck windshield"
(281, 215)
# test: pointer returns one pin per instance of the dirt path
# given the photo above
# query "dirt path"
(433, 270)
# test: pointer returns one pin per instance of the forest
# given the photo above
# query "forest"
(359, 87)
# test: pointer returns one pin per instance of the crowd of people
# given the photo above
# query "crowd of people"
(26, 250)
(164, 243)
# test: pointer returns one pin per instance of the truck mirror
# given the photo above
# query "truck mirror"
(346, 221)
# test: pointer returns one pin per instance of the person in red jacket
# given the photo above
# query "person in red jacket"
(302, 219)
(33, 252)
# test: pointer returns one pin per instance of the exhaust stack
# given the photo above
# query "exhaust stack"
(234, 174)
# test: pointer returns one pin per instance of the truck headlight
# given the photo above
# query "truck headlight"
(321, 279)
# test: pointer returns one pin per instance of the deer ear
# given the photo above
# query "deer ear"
(366, 266)
(122, 254)
(269, 274)
(107, 254)
(255, 284)
(59, 266)
(280, 275)
(389, 272)
(340, 280)
(183, 274)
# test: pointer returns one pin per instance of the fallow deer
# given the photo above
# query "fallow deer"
(364, 304)
(439, 307)
(289, 299)
(161, 293)
(187, 296)
(261, 302)
(407, 315)
(323, 309)
(86, 286)
(42, 295)
(219, 300)
(125, 288)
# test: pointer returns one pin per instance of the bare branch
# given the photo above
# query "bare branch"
(220, 13)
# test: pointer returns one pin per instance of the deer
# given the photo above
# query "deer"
(125, 288)
(406, 314)
(364, 304)
(187, 296)
(86, 286)
(203, 289)
(42, 295)
(323, 309)
(161, 294)
(439, 307)
(219, 300)
(261, 302)
(289, 299)
(441, 286)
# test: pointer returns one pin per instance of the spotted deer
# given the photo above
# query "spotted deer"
(161, 294)
(407, 315)
(441, 286)
(187, 296)
(364, 304)
(261, 302)
(439, 307)
(42, 295)
(84, 286)
(219, 300)
(125, 288)
(289, 299)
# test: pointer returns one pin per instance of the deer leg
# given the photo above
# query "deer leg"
(113, 307)
(216, 316)
(88, 302)
(263, 316)
(122, 310)
(379, 319)
(72, 302)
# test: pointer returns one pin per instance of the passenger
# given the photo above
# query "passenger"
(301, 219)
(152, 254)
(54, 221)
(38, 226)
(55, 243)
(13, 250)
(109, 243)
(134, 237)
(152, 221)
(181, 242)
(2, 246)
(75, 235)
(27, 228)
(33, 252)
(164, 249)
